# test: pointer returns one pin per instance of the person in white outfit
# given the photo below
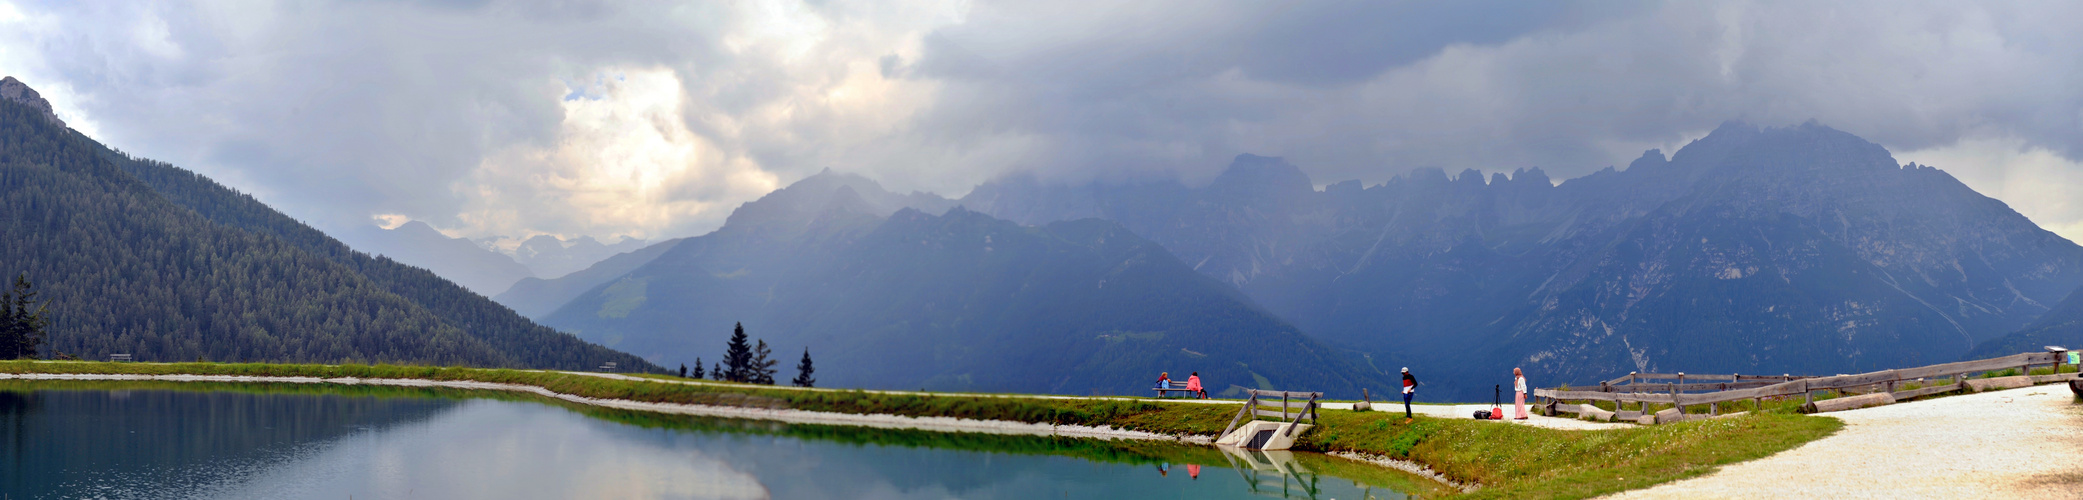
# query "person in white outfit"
(1519, 393)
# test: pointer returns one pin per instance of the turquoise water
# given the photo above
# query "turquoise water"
(82, 440)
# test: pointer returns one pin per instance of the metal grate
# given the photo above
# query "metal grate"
(1258, 441)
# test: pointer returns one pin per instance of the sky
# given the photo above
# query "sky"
(654, 120)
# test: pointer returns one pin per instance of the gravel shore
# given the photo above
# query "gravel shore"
(2017, 444)
(942, 424)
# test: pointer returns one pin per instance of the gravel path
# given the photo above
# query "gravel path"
(2018, 443)
(1431, 410)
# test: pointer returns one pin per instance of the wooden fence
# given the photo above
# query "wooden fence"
(1712, 390)
(1304, 405)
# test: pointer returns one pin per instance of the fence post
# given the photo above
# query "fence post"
(1807, 395)
(1634, 386)
(1674, 394)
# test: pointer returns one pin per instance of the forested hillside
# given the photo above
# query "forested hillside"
(143, 258)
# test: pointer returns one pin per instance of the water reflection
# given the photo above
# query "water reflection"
(67, 440)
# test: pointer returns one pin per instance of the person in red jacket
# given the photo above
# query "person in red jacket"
(1410, 389)
(1193, 383)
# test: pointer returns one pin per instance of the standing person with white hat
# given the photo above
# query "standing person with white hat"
(1410, 389)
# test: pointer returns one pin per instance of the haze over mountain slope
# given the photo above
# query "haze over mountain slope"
(903, 298)
(536, 297)
(539, 297)
(144, 258)
(550, 257)
(457, 259)
(1800, 249)
(2060, 327)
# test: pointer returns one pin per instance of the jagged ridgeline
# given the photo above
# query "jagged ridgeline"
(144, 258)
(903, 293)
(1752, 250)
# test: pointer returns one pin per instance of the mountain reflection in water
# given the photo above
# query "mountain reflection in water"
(159, 440)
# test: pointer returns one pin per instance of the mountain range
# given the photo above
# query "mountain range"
(548, 256)
(886, 293)
(417, 244)
(1752, 250)
(479, 266)
(1797, 249)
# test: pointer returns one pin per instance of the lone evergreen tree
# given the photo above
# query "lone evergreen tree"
(697, 369)
(22, 320)
(737, 357)
(763, 365)
(804, 372)
(683, 370)
(715, 371)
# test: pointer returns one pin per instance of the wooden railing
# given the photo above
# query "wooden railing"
(1686, 389)
(1303, 404)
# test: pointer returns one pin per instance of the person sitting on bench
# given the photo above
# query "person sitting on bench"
(1193, 383)
(1164, 380)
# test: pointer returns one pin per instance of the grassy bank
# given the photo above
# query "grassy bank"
(1509, 461)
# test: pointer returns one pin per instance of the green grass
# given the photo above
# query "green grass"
(1508, 461)
(1517, 461)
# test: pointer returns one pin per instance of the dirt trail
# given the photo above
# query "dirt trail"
(2018, 443)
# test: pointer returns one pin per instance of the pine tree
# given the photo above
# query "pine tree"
(804, 372)
(22, 320)
(737, 357)
(10, 341)
(715, 371)
(697, 369)
(763, 365)
(683, 370)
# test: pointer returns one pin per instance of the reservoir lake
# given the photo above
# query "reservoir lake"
(120, 440)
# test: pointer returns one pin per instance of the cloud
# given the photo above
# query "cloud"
(1588, 90)
(456, 114)
(648, 119)
(2035, 181)
(622, 158)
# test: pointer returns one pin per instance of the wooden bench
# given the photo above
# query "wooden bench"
(1173, 387)
(119, 357)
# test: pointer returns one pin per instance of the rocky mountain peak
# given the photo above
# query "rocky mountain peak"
(1265, 174)
(14, 90)
(1531, 175)
(1650, 159)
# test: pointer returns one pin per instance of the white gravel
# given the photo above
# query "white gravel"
(1405, 466)
(2018, 443)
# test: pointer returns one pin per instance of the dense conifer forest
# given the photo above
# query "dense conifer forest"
(142, 258)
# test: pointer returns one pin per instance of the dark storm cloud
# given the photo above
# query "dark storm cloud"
(1184, 87)
(456, 112)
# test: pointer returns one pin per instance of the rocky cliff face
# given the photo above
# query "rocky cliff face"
(14, 90)
(1799, 249)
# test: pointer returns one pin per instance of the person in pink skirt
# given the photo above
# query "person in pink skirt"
(1519, 393)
